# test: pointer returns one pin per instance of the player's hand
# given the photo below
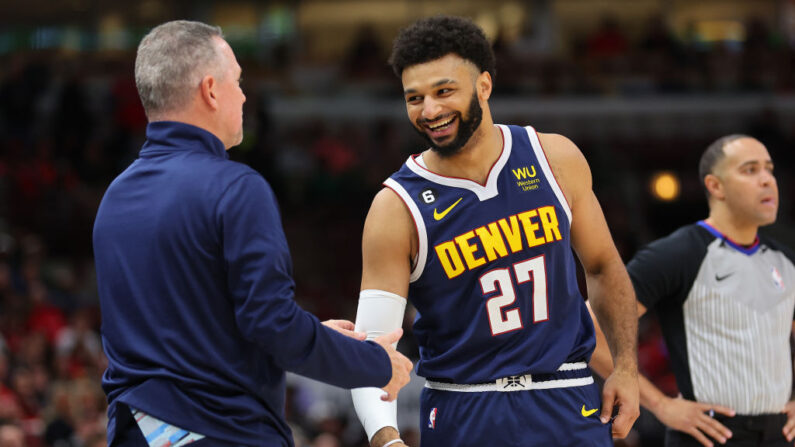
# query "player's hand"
(401, 365)
(385, 435)
(694, 419)
(345, 327)
(789, 427)
(621, 391)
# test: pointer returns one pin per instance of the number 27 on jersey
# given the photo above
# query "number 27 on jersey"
(502, 317)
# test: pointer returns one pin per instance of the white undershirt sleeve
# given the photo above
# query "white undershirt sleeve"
(379, 312)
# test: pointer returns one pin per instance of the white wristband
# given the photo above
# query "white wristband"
(374, 413)
(380, 312)
(394, 441)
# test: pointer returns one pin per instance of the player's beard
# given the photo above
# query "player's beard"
(466, 128)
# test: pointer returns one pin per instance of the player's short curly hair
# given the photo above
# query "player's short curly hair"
(435, 37)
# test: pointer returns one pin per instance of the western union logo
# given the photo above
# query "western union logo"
(524, 172)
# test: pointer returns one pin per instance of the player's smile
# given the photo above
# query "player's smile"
(442, 127)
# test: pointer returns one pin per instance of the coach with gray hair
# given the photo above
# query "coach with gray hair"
(195, 277)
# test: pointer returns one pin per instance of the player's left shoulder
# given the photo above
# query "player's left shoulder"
(567, 162)
(557, 143)
(562, 152)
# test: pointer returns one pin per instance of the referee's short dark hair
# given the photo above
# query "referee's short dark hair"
(713, 155)
(435, 37)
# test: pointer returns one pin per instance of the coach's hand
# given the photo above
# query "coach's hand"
(621, 391)
(345, 327)
(693, 418)
(401, 366)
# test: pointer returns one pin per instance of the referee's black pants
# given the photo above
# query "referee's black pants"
(747, 431)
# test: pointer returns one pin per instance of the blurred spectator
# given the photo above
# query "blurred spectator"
(26, 80)
(11, 435)
(365, 57)
(761, 54)
(60, 420)
(29, 402)
(78, 345)
(661, 56)
(72, 119)
(43, 318)
(9, 406)
(608, 41)
(336, 154)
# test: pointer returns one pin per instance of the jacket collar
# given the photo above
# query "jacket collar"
(166, 137)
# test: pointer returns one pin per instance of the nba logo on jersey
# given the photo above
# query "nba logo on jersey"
(432, 418)
(777, 279)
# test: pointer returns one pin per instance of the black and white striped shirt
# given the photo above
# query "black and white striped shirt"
(726, 313)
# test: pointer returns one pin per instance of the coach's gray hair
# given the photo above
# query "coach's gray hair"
(713, 155)
(172, 60)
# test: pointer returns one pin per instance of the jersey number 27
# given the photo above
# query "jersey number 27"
(503, 319)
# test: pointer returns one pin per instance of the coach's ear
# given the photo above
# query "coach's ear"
(714, 186)
(207, 92)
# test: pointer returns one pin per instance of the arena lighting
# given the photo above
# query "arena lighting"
(665, 186)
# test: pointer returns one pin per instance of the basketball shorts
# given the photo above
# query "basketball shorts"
(547, 416)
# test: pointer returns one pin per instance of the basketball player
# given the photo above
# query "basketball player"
(477, 232)
(725, 297)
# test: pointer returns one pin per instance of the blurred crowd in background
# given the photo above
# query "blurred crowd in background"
(69, 123)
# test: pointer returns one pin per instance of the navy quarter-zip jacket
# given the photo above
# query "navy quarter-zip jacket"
(196, 291)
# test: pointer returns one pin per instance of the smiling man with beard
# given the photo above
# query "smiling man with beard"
(477, 232)
(468, 124)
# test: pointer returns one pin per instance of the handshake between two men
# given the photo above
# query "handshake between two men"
(401, 365)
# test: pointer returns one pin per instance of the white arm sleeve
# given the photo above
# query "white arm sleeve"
(379, 313)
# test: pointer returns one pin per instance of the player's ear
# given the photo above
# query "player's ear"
(207, 91)
(714, 186)
(484, 84)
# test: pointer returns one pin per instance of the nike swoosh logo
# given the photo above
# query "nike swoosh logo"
(587, 413)
(439, 216)
(721, 278)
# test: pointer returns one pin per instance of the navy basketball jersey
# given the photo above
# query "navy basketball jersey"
(494, 282)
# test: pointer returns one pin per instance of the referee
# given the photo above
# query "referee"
(725, 298)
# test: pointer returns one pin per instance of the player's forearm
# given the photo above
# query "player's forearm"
(383, 436)
(601, 360)
(602, 363)
(613, 302)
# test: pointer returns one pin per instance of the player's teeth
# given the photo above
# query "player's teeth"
(441, 124)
